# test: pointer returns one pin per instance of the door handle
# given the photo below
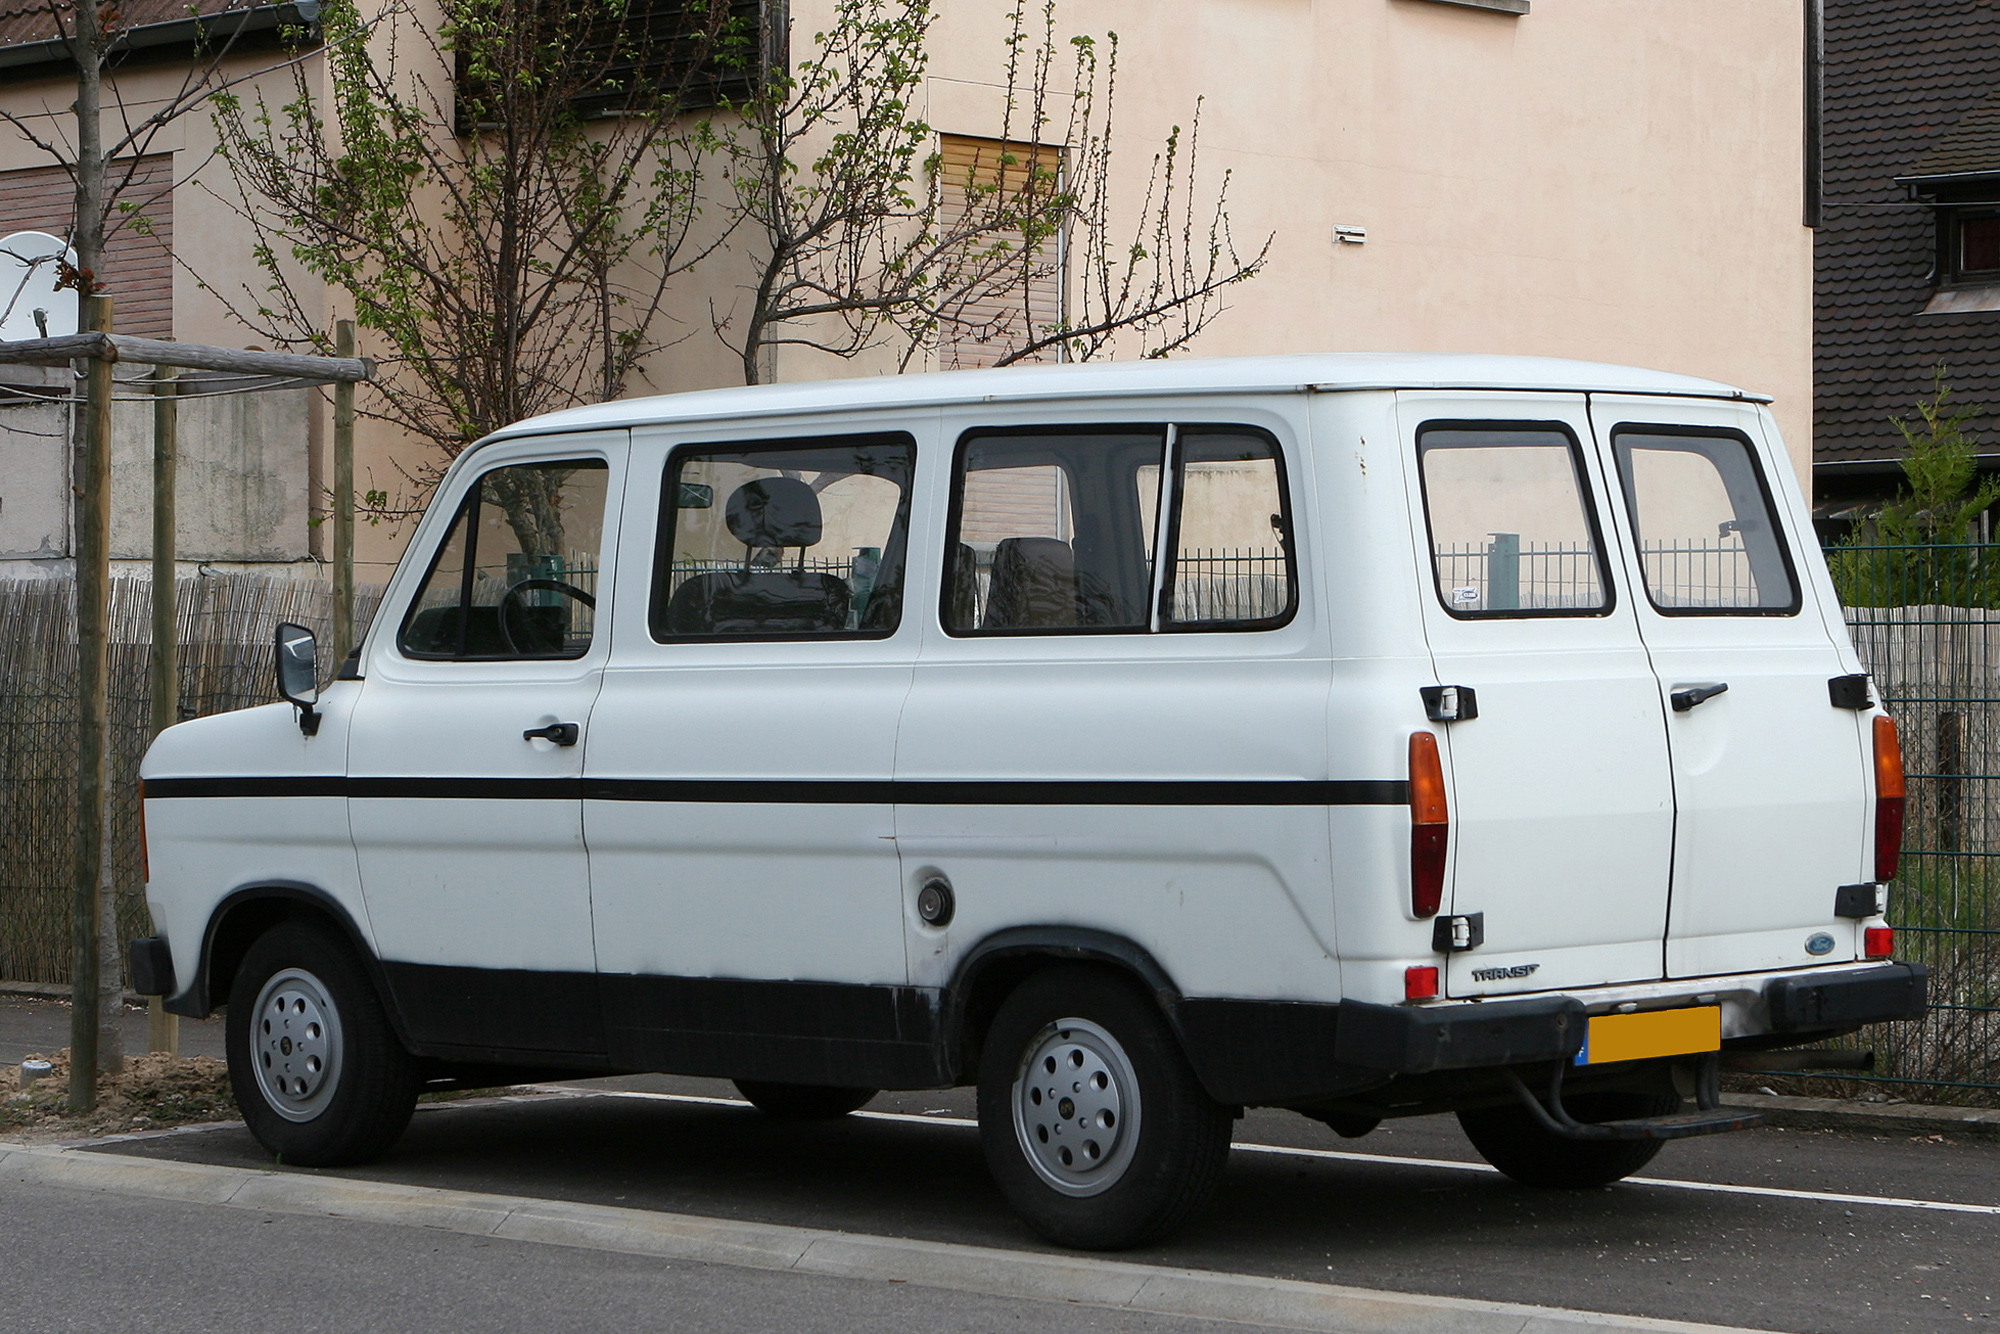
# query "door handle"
(564, 734)
(1687, 697)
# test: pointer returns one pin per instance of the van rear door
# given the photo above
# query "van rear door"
(1770, 780)
(1561, 799)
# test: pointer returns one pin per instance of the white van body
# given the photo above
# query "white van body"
(725, 873)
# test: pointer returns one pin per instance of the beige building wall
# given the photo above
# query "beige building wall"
(1609, 182)
(1612, 182)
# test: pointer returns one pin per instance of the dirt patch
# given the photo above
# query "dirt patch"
(152, 1092)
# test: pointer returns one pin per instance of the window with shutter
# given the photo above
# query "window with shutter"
(1002, 315)
(139, 237)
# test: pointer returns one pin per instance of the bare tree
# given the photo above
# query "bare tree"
(104, 160)
(102, 156)
(840, 183)
(1155, 283)
(504, 197)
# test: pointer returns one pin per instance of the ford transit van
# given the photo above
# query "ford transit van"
(1370, 736)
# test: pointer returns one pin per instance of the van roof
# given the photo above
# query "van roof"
(1334, 372)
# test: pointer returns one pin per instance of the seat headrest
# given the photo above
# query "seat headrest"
(774, 512)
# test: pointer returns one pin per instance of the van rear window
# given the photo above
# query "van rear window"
(1511, 527)
(1708, 534)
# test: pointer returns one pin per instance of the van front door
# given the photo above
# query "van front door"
(1769, 776)
(1561, 800)
(464, 755)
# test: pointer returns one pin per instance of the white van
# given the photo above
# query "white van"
(1365, 735)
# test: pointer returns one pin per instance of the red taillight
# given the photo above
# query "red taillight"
(145, 855)
(1420, 982)
(1430, 826)
(1878, 942)
(1889, 791)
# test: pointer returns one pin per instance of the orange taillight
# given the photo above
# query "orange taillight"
(1889, 793)
(1430, 826)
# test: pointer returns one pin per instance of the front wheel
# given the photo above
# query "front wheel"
(1093, 1124)
(313, 1062)
(1520, 1146)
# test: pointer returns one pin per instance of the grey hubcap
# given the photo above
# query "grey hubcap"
(295, 1045)
(1076, 1107)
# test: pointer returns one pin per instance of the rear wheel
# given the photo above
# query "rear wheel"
(313, 1062)
(1512, 1140)
(1093, 1124)
(803, 1102)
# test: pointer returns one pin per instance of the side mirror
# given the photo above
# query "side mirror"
(298, 673)
(694, 496)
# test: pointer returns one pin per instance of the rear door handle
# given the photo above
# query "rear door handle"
(564, 734)
(1687, 697)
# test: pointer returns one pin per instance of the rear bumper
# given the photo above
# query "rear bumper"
(1406, 1039)
(1846, 1000)
(1266, 1052)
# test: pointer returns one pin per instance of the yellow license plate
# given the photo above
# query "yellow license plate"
(1639, 1037)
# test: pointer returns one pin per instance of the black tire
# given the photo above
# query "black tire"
(1164, 1156)
(335, 1086)
(803, 1102)
(1513, 1141)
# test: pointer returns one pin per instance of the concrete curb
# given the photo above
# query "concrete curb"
(1083, 1279)
(1901, 1118)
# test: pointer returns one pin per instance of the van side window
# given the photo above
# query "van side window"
(1053, 530)
(1512, 533)
(516, 577)
(1056, 529)
(1708, 534)
(1232, 564)
(783, 539)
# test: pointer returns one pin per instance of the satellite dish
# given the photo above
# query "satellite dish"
(30, 305)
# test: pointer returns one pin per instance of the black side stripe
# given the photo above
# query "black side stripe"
(906, 792)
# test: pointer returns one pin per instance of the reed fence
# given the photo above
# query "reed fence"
(225, 628)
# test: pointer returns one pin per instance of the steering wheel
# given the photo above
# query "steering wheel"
(511, 600)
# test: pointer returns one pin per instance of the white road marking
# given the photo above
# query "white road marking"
(1379, 1159)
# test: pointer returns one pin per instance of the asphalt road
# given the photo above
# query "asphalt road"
(1409, 1215)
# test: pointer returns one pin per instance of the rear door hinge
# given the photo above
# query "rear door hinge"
(1849, 692)
(1455, 935)
(1449, 704)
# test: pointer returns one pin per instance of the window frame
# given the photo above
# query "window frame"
(470, 500)
(1166, 531)
(1585, 495)
(657, 593)
(1951, 247)
(1778, 529)
(1169, 570)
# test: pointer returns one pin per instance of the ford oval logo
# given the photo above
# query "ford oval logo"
(1819, 943)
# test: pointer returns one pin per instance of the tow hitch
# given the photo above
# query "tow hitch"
(1709, 1118)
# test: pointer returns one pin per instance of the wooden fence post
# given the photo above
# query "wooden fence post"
(343, 498)
(93, 589)
(163, 1030)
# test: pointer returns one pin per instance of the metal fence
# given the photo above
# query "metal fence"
(226, 623)
(1926, 622)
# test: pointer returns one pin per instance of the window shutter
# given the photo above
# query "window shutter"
(138, 268)
(1003, 316)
